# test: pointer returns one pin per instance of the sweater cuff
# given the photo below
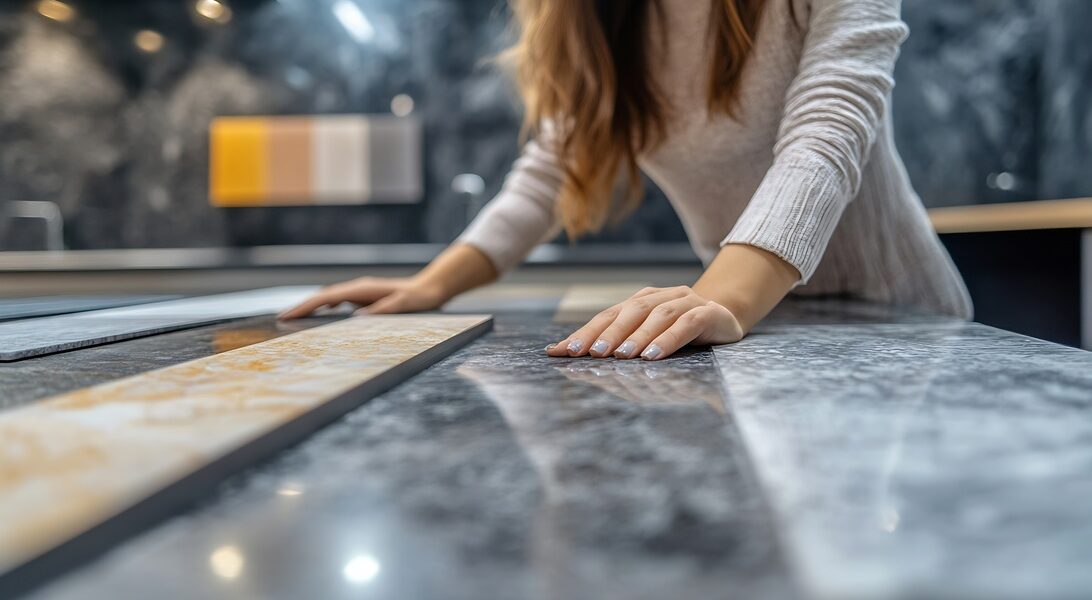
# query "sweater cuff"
(794, 211)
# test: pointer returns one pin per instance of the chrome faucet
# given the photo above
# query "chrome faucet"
(47, 211)
(471, 189)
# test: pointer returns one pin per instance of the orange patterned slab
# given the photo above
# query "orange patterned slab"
(80, 470)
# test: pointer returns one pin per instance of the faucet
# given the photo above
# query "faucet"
(470, 187)
(47, 211)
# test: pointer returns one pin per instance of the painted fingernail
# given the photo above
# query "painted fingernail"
(626, 349)
(652, 352)
(600, 347)
(550, 347)
(575, 346)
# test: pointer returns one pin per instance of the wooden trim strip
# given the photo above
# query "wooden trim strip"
(1075, 213)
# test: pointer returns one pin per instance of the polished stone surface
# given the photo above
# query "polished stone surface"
(937, 459)
(73, 461)
(28, 338)
(497, 473)
(500, 473)
(25, 308)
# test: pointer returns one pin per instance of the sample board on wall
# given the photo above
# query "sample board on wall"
(35, 337)
(328, 159)
(81, 471)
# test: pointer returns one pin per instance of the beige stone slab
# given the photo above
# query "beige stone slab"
(80, 463)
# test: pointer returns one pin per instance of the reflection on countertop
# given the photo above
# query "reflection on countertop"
(841, 447)
(923, 460)
(497, 473)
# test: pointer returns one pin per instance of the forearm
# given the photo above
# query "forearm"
(459, 268)
(748, 281)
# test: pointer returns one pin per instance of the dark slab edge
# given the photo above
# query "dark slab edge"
(9, 356)
(193, 487)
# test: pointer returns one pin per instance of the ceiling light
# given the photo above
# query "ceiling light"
(354, 21)
(148, 41)
(213, 10)
(56, 10)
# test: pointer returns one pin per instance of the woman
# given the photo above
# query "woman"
(765, 122)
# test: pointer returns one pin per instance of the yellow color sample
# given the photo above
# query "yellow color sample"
(238, 161)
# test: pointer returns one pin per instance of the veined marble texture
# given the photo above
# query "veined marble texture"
(28, 338)
(921, 459)
(70, 462)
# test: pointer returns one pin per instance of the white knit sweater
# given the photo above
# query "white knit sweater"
(810, 172)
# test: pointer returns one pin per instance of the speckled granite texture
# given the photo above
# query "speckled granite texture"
(495, 474)
(948, 460)
(921, 460)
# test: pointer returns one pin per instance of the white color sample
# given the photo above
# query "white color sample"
(341, 157)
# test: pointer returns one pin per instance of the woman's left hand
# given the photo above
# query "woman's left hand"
(652, 324)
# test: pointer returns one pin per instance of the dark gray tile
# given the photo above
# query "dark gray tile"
(35, 337)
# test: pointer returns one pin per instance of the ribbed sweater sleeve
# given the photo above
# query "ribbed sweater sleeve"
(523, 214)
(833, 109)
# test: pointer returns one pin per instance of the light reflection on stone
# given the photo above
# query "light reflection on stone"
(361, 568)
(227, 562)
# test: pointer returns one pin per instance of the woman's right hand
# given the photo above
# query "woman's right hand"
(377, 295)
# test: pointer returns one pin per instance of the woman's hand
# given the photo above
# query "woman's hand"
(379, 296)
(458, 268)
(652, 324)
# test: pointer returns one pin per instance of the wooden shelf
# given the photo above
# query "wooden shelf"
(1014, 216)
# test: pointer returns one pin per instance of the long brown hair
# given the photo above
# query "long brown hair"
(584, 65)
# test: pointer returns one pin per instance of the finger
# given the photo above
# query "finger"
(684, 330)
(657, 322)
(307, 307)
(648, 291)
(397, 302)
(588, 339)
(363, 292)
(634, 312)
(630, 314)
(711, 323)
(578, 343)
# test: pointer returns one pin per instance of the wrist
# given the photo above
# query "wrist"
(736, 303)
(430, 286)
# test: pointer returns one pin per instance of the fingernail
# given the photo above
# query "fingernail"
(551, 347)
(600, 347)
(575, 346)
(652, 352)
(626, 349)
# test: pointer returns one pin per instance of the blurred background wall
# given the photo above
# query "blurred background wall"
(105, 110)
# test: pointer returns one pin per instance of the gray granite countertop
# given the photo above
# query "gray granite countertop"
(760, 470)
